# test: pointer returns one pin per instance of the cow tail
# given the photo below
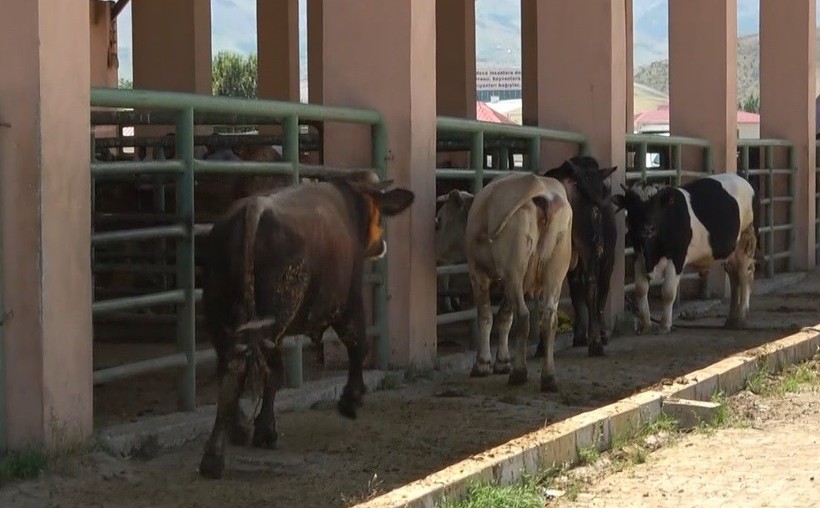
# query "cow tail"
(257, 365)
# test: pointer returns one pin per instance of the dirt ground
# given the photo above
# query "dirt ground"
(771, 460)
(402, 433)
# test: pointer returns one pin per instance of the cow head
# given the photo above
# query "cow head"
(647, 207)
(373, 202)
(582, 177)
(451, 225)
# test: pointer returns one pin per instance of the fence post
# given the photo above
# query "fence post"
(186, 312)
(379, 162)
(477, 159)
(290, 146)
(769, 157)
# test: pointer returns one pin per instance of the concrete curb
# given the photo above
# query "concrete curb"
(560, 442)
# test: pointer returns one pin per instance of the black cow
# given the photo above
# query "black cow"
(289, 262)
(710, 219)
(593, 243)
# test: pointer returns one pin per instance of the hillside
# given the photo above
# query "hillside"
(656, 74)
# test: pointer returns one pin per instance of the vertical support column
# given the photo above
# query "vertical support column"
(315, 62)
(529, 62)
(630, 70)
(45, 209)
(455, 58)
(787, 48)
(382, 55)
(172, 45)
(589, 97)
(703, 86)
(103, 45)
(277, 42)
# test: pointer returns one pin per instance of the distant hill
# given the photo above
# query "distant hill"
(656, 74)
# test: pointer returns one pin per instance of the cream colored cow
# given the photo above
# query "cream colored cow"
(519, 231)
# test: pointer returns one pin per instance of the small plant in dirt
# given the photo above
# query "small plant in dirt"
(24, 464)
(390, 381)
(525, 494)
(588, 455)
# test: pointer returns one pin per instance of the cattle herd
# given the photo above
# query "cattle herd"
(289, 261)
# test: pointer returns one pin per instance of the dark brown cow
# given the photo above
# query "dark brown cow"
(593, 242)
(288, 263)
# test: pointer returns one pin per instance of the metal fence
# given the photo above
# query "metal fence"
(660, 159)
(183, 110)
(817, 201)
(773, 176)
(502, 141)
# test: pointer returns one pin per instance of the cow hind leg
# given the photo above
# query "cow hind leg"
(741, 268)
(505, 321)
(518, 375)
(595, 348)
(481, 294)
(264, 432)
(643, 321)
(580, 325)
(352, 332)
(212, 464)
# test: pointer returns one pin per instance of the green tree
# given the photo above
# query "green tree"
(751, 104)
(234, 75)
(126, 84)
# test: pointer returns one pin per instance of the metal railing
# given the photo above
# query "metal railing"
(772, 192)
(817, 202)
(668, 152)
(475, 136)
(183, 168)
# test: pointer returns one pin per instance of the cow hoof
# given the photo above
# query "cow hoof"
(502, 367)
(481, 369)
(596, 349)
(604, 339)
(347, 408)
(518, 377)
(212, 466)
(734, 323)
(548, 384)
(661, 330)
(240, 434)
(265, 438)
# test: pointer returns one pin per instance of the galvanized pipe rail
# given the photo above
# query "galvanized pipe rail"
(769, 224)
(642, 145)
(182, 108)
(478, 133)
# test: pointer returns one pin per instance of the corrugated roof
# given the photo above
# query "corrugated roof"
(660, 116)
(485, 113)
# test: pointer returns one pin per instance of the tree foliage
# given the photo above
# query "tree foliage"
(234, 75)
(750, 104)
(126, 84)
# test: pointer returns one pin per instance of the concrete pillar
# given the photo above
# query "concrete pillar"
(787, 48)
(703, 86)
(277, 42)
(455, 58)
(382, 55)
(172, 45)
(584, 89)
(529, 62)
(703, 75)
(630, 59)
(103, 45)
(315, 36)
(45, 212)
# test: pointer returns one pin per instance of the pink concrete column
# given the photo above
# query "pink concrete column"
(529, 62)
(703, 86)
(314, 46)
(584, 90)
(703, 75)
(382, 55)
(787, 48)
(45, 213)
(172, 45)
(630, 57)
(455, 58)
(277, 42)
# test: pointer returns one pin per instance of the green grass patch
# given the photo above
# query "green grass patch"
(524, 494)
(24, 464)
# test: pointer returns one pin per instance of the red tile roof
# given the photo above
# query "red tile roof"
(660, 116)
(484, 113)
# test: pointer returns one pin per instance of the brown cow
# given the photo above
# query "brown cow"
(518, 230)
(288, 263)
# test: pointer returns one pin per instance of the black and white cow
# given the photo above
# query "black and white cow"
(710, 219)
